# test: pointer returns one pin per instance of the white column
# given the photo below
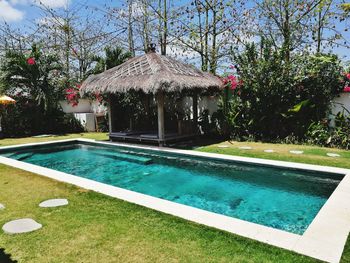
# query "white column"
(110, 112)
(160, 107)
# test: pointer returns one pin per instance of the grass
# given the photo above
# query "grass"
(311, 155)
(90, 135)
(97, 228)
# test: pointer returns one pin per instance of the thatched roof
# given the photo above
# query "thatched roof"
(150, 73)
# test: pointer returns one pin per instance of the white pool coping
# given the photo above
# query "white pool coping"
(324, 239)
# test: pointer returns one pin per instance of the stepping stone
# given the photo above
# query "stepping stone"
(269, 151)
(333, 155)
(245, 148)
(297, 152)
(222, 146)
(21, 226)
(54, 203)
(2, 206)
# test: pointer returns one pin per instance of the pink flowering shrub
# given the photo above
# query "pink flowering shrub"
(72, 95)
(347, 82)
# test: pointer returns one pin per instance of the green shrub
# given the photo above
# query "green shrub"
(320, 133)
(25, 118)
(274, 100)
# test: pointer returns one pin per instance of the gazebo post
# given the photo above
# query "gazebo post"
(195, 110)
(110, 119)
(160, 108)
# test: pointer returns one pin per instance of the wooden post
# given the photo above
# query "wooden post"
(195, 111)
(110, 113)
(160, 107)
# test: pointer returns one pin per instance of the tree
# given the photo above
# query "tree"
(209, 27)
(285, 22)
(300, 25)
(75, 36)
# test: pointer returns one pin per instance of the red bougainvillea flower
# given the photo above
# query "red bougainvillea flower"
(72, 95)
(348, 75)
(31, 61)
(347, 89)
(232, 82)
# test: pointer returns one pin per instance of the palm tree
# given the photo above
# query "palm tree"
(35, 75)
(113, 57)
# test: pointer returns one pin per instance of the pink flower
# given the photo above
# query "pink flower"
(348, 76)
(232, 81)
(347, 89)
(69, 90)
(31, 61)
(232, 67)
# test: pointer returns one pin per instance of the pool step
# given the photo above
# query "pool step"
(127, 157)
(20, 156)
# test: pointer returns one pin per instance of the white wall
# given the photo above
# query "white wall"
(342, 101)
(339, 103)
(83, 106)
(85, 112)
(206, 102)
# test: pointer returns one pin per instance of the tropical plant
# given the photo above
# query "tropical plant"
(34, 80)
(113, 57)
(338, 135)
(35, 75)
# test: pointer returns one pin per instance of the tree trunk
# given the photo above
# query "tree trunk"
(130, 29)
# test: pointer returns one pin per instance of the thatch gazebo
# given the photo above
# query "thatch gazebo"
(155, 74)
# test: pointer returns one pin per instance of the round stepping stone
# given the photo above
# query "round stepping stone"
(333, 155)
(245, 148)
(54, 203)
(269, 151)
(296, 152)
(222, 146)
(2, 206)
(21, 226)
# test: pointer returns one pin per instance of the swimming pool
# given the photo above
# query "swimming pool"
(282, 198)
(255, 198)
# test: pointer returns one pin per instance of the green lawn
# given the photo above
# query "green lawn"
(90, 135)
(312, 154)
(97, 228)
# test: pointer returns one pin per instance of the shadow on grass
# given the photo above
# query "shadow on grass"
(6, 258)
(198, 142)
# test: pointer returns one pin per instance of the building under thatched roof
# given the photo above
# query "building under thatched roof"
(152, 74)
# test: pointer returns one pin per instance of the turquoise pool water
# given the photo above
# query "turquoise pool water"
(280, 198)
